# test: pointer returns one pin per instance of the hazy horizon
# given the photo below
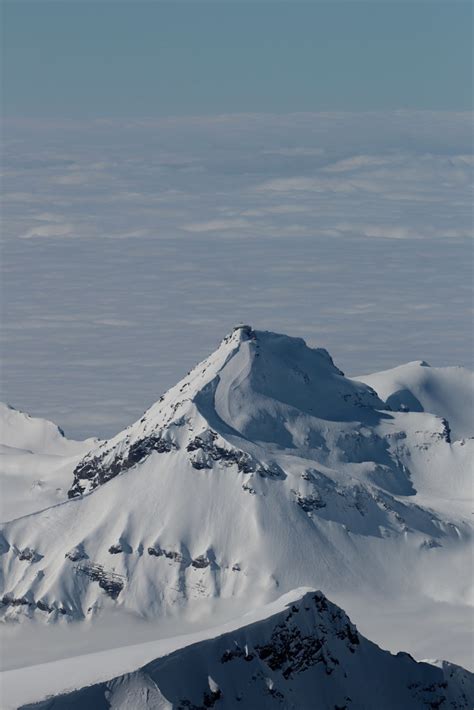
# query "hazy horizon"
(170, 169)
(131, 248)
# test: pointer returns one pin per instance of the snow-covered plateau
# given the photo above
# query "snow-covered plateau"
(264, 472)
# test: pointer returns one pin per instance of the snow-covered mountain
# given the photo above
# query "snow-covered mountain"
(36, 462)
(447, 392)
(305, 654)
(263, 470)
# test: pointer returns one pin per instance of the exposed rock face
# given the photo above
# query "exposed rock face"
(263, 454)
(310, 502)
(291, 651)
(31, 604)
(115, 549)
(77, 553)
(29, 555)
(95, 470)
(200, 562)
(157, 551)
(308, 656)
(122, 546)
(446, 433)
(110, 582)
(205, 443)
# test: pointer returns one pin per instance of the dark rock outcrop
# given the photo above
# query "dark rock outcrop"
(110, 582)
(77, 553)
(308, 655)
(205, 443)
(157, 551)
(93, 471)
(29, 555)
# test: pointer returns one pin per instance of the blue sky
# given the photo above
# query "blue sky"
(105, 58)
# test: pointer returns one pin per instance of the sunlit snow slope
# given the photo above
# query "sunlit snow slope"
(36, 462)
(417, 387)
(264, 469)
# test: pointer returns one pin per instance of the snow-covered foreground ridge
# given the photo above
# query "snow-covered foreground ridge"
(304, 654)
(263, 470)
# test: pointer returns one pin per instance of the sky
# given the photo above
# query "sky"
(171, 169)
(82, 58)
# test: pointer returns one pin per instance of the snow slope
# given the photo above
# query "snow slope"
(445, 391)
(304, 653)
(40, 436)
(263, 470)
(36, 462)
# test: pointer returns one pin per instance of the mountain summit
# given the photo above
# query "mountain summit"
(304, 653)
(264, 469)
(258, 387)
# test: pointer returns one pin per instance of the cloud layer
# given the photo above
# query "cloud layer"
(130, 248)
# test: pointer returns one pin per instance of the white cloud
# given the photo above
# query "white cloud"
(401, 231)
(216, 225)
(131, 234)
(287, 238)
(72, 179)
(305, 184)
(48, 230)
(276, 210)
(114, 322)
(295, 152)
(359, 161)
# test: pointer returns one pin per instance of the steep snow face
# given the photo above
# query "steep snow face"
(36, 462)
(305, 654)
(263, 469)
(447, 392)
(272, 378)
(257, 388)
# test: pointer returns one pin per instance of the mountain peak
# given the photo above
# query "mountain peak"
(282, 354)
(265, 468)
(291, 652)
(245, 332)
(258, 387)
